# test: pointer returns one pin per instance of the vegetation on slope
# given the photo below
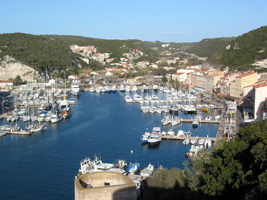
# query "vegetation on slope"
(206, 47)
(243, 50)
(52, 52)
(236, 169)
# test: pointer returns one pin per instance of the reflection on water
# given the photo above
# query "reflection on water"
(100, 124)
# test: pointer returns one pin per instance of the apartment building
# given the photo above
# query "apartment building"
(240, 81)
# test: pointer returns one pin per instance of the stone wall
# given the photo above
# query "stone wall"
(104, 186)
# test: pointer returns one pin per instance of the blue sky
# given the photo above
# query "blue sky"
(147, 20)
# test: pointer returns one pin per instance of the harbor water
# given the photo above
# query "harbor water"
(43, 165)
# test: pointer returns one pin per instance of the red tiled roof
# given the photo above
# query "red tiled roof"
(246, 74)
(261, 84)
(179, 73)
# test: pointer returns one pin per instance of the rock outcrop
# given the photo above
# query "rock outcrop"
(10, 68)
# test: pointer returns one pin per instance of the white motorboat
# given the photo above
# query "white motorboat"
(56, 118)
(114, 89)
(175, 121)
(208, 118)
(128, 99)
(148, 171)
(189, 109)
(193, 150)
(2, 133)
(127, 88)
(38, 128)
(193, 140)
(171, 132)
(186, 141)
(92, 89)
(66, 112)
(207, 143)
(26, 118)
(154, 139)
(156, 130)
(41, 117)
(201, 141)
(217, 117)
(96, 165)
(132, 169)
(122, 88)
(134, 88)
(72, 101)
(75, 88)
(144, 137)
(195, 123)
(155, 88)
(180, 134)
(166, 120)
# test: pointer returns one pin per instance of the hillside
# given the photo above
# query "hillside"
(243, 51)
(52, 52)
(206, 47)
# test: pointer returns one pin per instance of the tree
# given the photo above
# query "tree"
(237, 168)
(164, 79)
(18, 80)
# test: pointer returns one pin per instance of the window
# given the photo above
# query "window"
(107, 184)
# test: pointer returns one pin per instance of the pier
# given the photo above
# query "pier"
(167, 137)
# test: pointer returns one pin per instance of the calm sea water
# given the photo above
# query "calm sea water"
(43, 165)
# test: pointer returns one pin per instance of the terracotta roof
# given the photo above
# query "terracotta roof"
(261, 84)
(179, 73)
(246, 74)
(6, 81)
(224, 95)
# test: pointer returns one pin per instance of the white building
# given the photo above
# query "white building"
(259, 95)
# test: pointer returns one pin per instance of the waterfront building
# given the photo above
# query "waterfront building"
(224, 83)
(6, 85)
(237, 85)
(181, 77)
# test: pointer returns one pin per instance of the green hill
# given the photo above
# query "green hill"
(243, 51)
(52, 52)
(206, 47)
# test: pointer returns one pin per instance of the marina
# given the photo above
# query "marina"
(106, 126)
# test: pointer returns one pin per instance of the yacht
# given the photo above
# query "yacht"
(189, 109)
(75, 88)
(154, 139)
